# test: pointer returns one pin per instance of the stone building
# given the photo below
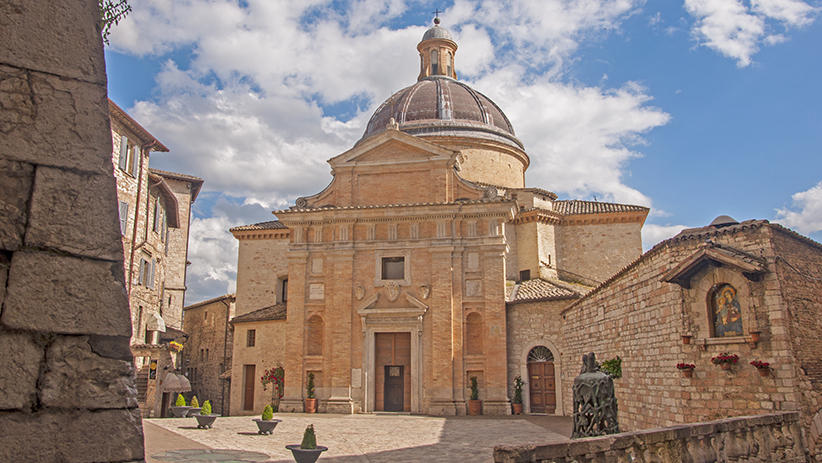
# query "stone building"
(155, 211)
(395, 278)
(207, 354)
(64, 322)
(752, 289)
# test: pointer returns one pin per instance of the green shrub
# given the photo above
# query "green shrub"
(181, 401)
(474, 388)
(206, 408)
(268, 413)
(309, 439)
(518, 383)
(309, 389)
(194, 402)
(613, 367)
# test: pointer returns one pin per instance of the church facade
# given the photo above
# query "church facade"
(397, 283)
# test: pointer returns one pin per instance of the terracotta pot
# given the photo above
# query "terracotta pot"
(688, 373)
(517, 409)
(686, 339)
(311, 405)
(475, 407)
(764, 371)
(755, 336)
(726, 366)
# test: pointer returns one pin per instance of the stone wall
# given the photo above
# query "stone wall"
(260, 263)
(797, 262)
(597, 251)
(269, 349)
(207, 354)
(641, 318)
(532, 324)
(755, 439)
(68, 382)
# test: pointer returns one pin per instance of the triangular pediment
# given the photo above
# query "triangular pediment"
(392, 147)
(717, 256)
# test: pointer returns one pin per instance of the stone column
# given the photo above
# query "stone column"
(295, 380)
(65, 323)
(338, 303)
(496, 363)
(440, 384)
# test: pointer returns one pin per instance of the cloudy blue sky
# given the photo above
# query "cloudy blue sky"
(696, 108)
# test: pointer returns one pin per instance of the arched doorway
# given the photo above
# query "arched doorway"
(542, 386)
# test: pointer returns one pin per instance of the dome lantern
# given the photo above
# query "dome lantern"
(437, 50)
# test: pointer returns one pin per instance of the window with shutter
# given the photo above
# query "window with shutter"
(123, 217)
(135, 161)
(150, 283)
(156, 215)
(141, 279)
(123, 152)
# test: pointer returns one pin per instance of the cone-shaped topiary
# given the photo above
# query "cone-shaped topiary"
(181, 401)
(268, 413)
(309, 439)
(206, 408)
(194, 402)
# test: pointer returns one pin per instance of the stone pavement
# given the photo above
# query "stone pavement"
(378, 438)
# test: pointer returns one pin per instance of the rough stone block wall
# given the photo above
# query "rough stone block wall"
(798, 263)
(641, 318)
(208, 328)
(597, 251)
(67, 389)
(175, 262)
(259, 264)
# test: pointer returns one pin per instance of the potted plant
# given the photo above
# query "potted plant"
(764, 368)
(180, 409)
(310, 401)
(205, 419)
(195, 407)
(308, 451)
(725, 360)
(175, 346)
(687, 369)
(266, 423)
(474, 404)
(517, 402)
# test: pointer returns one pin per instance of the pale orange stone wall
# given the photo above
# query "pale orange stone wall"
(269, 349)
(260, 263)
(641, 319)
(597, 251)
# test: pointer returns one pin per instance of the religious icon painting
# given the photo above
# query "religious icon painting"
(727, 313)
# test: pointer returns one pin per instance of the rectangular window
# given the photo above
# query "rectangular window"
(524, 275)
(123, 217)
(206, 358)
(251, 338)
(393, 268)
(150, 276)
(285, 290)
(135, 161)
(202, 352)
(156, 226)
(141, 279)
(123, 164)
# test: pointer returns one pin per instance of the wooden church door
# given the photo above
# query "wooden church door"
(542, 383)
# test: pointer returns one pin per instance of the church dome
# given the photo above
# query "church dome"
(436, 32)
(439, 106)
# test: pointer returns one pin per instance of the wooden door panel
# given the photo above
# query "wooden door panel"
(542, 387)
(250, 377)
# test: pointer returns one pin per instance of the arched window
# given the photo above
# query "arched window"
(726, 311)
(448, 64)
(540, 354)
(314, 335)
(474, 340)
(435, 61)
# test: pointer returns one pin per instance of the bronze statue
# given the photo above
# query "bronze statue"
(595, 405)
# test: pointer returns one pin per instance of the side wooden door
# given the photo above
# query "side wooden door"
(394, 388)
(542, 387)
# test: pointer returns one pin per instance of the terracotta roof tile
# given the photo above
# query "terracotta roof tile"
(272, 225)
(274, 312)
(579, 207)
(200, 304)
(539, 290)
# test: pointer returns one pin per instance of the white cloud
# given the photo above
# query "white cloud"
(212, 251)
(736, 31)
(653, 234)
(805, 214)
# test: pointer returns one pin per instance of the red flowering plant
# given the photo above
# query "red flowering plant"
(725, 358)
(760, 365)
(685, 366)
(275, 376)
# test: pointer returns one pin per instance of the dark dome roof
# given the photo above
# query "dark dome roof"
(436, 32)
(441, 106)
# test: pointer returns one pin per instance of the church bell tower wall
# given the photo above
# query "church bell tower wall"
(597, 250)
